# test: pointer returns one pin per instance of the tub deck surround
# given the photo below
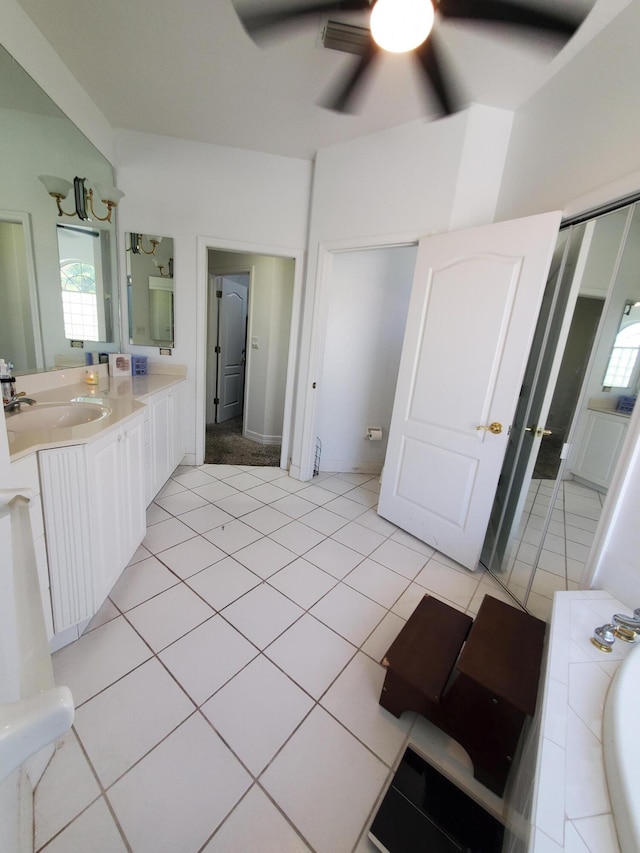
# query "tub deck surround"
(125, 397)
(571, 807)
(622, 751)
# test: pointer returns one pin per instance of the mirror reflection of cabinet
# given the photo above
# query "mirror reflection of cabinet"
(602, 439)
(150, 285)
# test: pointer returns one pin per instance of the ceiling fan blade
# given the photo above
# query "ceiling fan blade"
(520, 14)
(427, 56)
(261, 24)
(340, 101)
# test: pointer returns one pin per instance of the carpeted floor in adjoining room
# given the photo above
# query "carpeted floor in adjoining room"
(225, 445)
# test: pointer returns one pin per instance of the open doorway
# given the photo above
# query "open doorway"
(249, 307)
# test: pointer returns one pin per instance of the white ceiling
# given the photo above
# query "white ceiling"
(187, 69)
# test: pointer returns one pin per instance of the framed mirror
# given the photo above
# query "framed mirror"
(38, 139)
(150, 289)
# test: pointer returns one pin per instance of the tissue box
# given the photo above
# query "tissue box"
(119, 364)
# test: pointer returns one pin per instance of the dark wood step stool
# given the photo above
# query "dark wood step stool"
(475, 680)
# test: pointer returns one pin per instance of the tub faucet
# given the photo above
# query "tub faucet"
(627, 628)
(604, 637)
(16, 401)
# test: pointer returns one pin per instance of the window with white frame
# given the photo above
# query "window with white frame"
(622, 369)
(79, 301)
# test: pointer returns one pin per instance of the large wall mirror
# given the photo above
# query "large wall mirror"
(50, 265)
(150, 289)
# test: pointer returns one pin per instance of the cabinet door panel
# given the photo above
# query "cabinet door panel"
(161, 440)
(600, 447)
(133, 475)
(67, 503)
(178, 427)
(107, 501)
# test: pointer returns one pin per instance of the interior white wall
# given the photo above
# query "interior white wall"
(368, 302)
(482, 159)
(579, 132)
(186, 190)
(275, 316)
(390, 188)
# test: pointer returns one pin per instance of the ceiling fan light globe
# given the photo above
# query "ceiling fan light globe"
(401, 25)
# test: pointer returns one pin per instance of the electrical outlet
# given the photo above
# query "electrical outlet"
(77, 344)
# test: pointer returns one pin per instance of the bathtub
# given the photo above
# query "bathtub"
(621, 743)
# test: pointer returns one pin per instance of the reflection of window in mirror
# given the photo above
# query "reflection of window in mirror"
(622, 369)
(85, 293)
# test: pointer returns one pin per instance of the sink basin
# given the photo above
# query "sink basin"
(48, 416)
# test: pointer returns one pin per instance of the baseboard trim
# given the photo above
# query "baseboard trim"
(338, 466)
(263, 439)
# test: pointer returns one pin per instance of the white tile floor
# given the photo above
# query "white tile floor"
(227, 692)
(565, 547)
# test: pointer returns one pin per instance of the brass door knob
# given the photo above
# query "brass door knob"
(495, 428)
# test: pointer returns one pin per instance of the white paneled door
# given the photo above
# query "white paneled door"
(232, 337)
(473, 309)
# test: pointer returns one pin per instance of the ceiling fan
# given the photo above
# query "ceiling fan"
(401, 26)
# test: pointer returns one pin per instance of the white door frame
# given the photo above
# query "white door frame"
(310, 378)
(215, 243)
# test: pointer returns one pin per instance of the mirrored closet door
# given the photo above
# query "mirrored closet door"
(573, 413)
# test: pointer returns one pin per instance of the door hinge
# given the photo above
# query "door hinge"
(217, 350)
(219, 294)
(216, 400)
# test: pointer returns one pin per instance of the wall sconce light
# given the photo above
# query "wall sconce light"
(137, 244)
(59, 189)
(161, 268)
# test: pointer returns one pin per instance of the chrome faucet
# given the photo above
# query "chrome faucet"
(16, 401)
(627, 628)
(621, 627)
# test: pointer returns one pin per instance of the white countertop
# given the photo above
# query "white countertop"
(123, 395)
(571, 807)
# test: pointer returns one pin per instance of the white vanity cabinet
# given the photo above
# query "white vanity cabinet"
(164, 437)
(94, 510)
(599, 447)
